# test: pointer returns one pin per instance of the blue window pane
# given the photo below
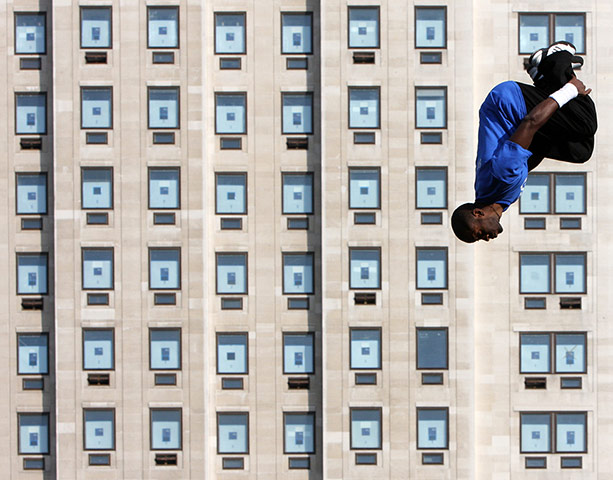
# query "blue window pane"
(99, 429)
(164, 188)
(163, 27)
(570, 432)
(165, 429)
(570, 273)
(297, 193)
(31, 193)
(96, 188)
(363, 108)
(297, 113)
(365, 349)
(97, 268)
(298, 353)
(533, 32)
(431, 348)
(366, 428)
(570, 28)
(96, 108)
(432, 427)
(32, 352)
(232, 432)
(95, 27)
(31, 274)
(230, 113)
(364, 184)
(299, 433)
(163, 107)
(535, 432)
(298, 273)
(165, 345)
(431, 188)
(98, 349)
(569, 193)
(231, 273)
(365, 268)
(34, 433)
(229, 33)
(535, 197)
(29, 33)
(431, 108)
(570, 353)
(535, 353)
(31, 117)
(164, 268)
(534, 273)
(232, 353)
(431, 268)
(363, 27)
(430, 28)
(231, 193)
(297, 33)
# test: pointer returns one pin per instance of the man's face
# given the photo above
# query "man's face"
(486, 227)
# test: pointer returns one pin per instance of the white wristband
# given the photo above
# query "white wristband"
(565, 94)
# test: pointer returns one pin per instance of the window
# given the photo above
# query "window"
(230, 33)
(232, 273)
(297, 113)
(99, 429)
(232, 433)
(230, 113)
(164, 268)
(163, 107)
(30, 37)
(431, 107)
(568, 349)
(31, 273)
(570, 432)
(33, 433)
(96, 188)
(163, 27)
(96, 107)
(30, 113)
(431, 268)
(432, 348)
(568, 198)
(95, 27)
(365, 268)
(297, 33)
(232, 353)
(31, 193)
(165, 348)
(97, 268)
(298, 353)
(166, 429)
(297, 193)
(299, 432)
(164, 188)
(231, 193)
(365, 428)
(430, 27)
(363, 27)
(364, 107)
(33, 353)
(569, 272)
(365, 351)
(539, 30)
(98, 349)
(431, 188)
(364, 188)
(432, 428)
(298, 273)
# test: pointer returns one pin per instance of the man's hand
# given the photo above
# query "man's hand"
(580, 86)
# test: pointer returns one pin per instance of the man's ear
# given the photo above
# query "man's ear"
(478, 212)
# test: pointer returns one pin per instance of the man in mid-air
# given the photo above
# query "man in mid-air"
(521, 124)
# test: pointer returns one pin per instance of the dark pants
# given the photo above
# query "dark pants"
(568, 135)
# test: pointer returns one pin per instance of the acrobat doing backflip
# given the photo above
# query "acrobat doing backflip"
(521, 124)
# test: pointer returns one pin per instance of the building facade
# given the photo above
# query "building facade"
(227, 250)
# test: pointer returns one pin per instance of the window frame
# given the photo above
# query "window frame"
(551, 24)
(417, 330)
(313, 415)
(246, 256)
(313, 363)
(379, 185)
(17, 13)
(84, 410)
(179, 273)
(448, 421)
(380, 268)
(351, 410)
(103, 87)
(44, 414)
(32, 94)
(31, 174)
(31, 254)
(83, 250)
(32, 334)
(95, 7)
(307, 173)
(83, 330)
(553, 370)
(180, 352)
(360, 87)
(245, 175)
(173, 409)
(246, 129)
(165, 7)
(149, 170)
(430, 7)
(446, 101)
(231, 333)
(311, 127)
(553, 430)
(417, 250)
(380, 359)
(307, 254)
(553, 183)
(168, 87)
(247, 433)
(552, 272)
(364, 7)
(442, 169)
(244, 14)
(311, 46)
(112, 187)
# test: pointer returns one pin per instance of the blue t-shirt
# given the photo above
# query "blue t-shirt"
(502, 165)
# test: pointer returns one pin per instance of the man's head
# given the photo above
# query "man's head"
(472, 222)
